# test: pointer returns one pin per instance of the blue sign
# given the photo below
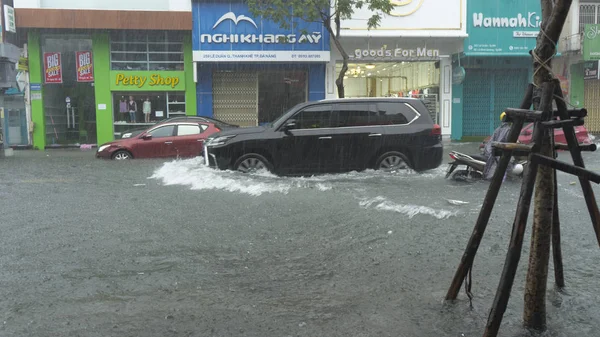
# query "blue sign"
(226, 31)
(35, 86)
(502, 27)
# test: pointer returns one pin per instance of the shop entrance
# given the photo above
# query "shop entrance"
(486, 93)
(395, 79)
(69, 107)
(592, 104)
(258, 96)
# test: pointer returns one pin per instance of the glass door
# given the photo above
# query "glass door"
(69, 106)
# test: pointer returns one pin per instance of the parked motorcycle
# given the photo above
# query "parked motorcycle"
(475, 165)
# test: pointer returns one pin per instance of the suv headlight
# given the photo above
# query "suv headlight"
(219, 140)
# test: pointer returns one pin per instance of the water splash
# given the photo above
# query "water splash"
(383, 204)
(192, 173)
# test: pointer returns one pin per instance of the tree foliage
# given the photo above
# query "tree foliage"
(328, 12)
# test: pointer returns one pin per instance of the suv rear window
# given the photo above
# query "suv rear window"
(395, 113)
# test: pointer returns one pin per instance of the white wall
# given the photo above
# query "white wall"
(149, 5)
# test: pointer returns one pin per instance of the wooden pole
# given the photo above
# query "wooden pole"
(466, 261)
(586, 186)
(559, 277)
(516, 241)
(534, 315)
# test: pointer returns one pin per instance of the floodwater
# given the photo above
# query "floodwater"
(171, 248)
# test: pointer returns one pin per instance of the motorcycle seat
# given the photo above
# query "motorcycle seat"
(478, 157)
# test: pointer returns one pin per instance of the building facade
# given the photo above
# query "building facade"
(250, 70)
(13, 116)
(89, 68)
(407, 55)
(577, 65)
(493, 71)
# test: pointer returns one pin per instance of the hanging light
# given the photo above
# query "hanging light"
(370, 66)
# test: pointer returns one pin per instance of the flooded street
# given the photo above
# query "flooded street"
(171, 248)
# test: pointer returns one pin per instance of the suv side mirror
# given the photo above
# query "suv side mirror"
(289, 125)
(147, 137)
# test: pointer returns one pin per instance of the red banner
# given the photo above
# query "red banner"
(85, 68)
(52, 68)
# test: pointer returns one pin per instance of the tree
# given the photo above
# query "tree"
(554, 15)
(328, 12)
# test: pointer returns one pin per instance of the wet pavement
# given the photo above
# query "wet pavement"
(170, 248)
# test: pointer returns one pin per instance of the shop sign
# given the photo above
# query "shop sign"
(458, 75)
(85, 68)
(510, 29)
(412, 18)
(23, 64)
(148, 80)
(384, 53)
(590, 70)
(591, 42)
(225, 31)
(52, 68)
(9, 19)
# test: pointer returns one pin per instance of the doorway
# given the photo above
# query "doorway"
(69, 107)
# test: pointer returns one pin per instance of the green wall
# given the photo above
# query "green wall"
(576, 92)
(35, 76)
(104, 117)
(456, 132)
(190, 85)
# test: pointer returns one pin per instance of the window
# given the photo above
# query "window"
(361, 114)
(589, 12)
(188, 129)
(314, 117)
(146, 50)
(163, 131)
(395, 113)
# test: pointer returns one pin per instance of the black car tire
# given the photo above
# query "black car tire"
(252, 162)
(122, 155)
(391, 159)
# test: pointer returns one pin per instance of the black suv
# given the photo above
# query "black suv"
(337, 135)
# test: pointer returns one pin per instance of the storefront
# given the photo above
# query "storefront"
(585, 77)
(249, 70)
(88, 88)
(408, 55)
(494, 69)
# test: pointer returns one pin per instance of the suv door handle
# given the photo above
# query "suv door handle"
(168, 142)
(327, 137)
(374, 134)
(200, 140)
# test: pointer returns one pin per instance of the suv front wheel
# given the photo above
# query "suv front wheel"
(391, 161)
(251, 163)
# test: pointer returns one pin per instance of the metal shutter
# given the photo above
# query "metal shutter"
(235, 97)
(592, 104)
(477, 102)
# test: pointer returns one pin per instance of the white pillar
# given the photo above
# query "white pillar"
(330, 76)
(445, 118)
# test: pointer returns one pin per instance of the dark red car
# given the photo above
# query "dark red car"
(559, 136)
(175, 139)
